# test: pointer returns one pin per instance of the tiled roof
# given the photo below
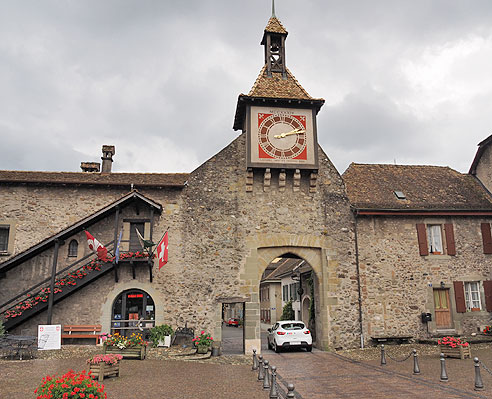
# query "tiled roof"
(274, 26)
(285, 266)
(277, 87)
(425, 188)
(87, 178)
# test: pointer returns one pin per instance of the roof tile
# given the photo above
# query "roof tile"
(275, 26)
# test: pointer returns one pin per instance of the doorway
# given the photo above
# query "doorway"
(133, 311)
(442, 308)
(233, 328)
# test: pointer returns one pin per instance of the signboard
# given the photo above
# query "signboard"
(49, 337)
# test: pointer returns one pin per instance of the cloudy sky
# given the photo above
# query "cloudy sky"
(404, 81)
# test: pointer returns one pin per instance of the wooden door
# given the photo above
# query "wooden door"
(442, 308)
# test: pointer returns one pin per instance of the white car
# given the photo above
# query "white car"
(288, 334)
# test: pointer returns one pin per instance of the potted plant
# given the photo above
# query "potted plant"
(454, 347)
(70, 385)
(101, 366)
(132, 347)
(203, 342)
(161, 335)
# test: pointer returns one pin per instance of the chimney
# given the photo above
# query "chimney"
(107, 158)
(90, 166)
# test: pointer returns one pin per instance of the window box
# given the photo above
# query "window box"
(460, 352)
(102, 370)
(134, 352)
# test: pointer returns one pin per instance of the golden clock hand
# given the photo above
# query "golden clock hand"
(281, 136)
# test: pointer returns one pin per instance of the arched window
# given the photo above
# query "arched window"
(73, 248)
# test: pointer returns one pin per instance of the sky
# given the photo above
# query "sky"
(405, 82)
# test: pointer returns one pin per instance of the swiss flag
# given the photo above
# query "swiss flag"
(162, 251)
(96, 246)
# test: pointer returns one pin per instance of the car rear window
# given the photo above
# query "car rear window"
(293, 326)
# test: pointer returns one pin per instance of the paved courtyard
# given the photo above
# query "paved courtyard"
(316, 375)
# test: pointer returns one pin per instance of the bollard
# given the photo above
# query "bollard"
(383, 356)
(266, 377)
(255, 361)
(444, 375)
(478, 377)
(260, 368)
(273, 383)
(416, 368)
(290, 389)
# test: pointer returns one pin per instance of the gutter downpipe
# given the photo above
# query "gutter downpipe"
(358, 280)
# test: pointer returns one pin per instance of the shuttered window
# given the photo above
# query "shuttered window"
(449, 232)
(472, 295)
(487, 290)
(459, 295)
(486, 238)
(422, 237)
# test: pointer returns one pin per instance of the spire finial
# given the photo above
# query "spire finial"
(273, 9)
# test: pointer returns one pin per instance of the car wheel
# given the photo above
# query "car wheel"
(309, 348)
(276, 347)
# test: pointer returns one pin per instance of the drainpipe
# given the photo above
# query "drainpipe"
(358, 280)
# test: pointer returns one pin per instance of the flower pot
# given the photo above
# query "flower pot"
(201, 349)
(133, 352)
(102, 370)
(165, 343)
(460, 352)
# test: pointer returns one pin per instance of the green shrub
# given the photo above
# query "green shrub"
(288, 312)
(158, 333)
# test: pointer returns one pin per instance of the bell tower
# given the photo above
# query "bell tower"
(278, 115)
(274, 42)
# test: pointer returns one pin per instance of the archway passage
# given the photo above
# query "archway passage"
(287, 292)
(133, 311)
(233, 328)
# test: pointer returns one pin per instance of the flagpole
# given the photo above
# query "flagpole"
(158, 243)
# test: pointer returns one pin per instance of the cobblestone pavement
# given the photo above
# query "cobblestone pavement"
(320, 375)
(178, 374)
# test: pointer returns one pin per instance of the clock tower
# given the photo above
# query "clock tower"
(278, 115)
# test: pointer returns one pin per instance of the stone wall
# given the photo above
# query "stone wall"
(397, 283)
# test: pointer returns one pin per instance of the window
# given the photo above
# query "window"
(285, 293)
(434, 235)
(134, 241)
(73, 248)
(472, 295)
(431, 239)
(4, 238)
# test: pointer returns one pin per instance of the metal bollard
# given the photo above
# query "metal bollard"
(266, 376)
(416, 368)
(255, 361)
(290, 389)
(260, 368)
(478, 377)
(383, 356)
(273, 388)
(444, 375)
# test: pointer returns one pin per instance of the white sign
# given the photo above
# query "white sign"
(49, 337)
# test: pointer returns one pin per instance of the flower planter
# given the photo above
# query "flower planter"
(102, 370)
(460, 352)
(133, 352)
(166, 342)
(201, 349)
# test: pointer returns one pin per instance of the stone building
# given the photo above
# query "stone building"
(271, 193)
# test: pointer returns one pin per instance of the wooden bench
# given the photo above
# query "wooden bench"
(81, 331)
(397, 339)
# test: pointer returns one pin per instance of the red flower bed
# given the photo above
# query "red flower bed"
(452, 342)
(70, 385)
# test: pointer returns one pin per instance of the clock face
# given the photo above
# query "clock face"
(282, 137)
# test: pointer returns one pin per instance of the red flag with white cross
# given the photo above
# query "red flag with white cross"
(162, 251)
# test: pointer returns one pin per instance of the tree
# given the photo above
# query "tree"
(288, 312)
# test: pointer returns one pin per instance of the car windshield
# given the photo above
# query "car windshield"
(293, 326)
